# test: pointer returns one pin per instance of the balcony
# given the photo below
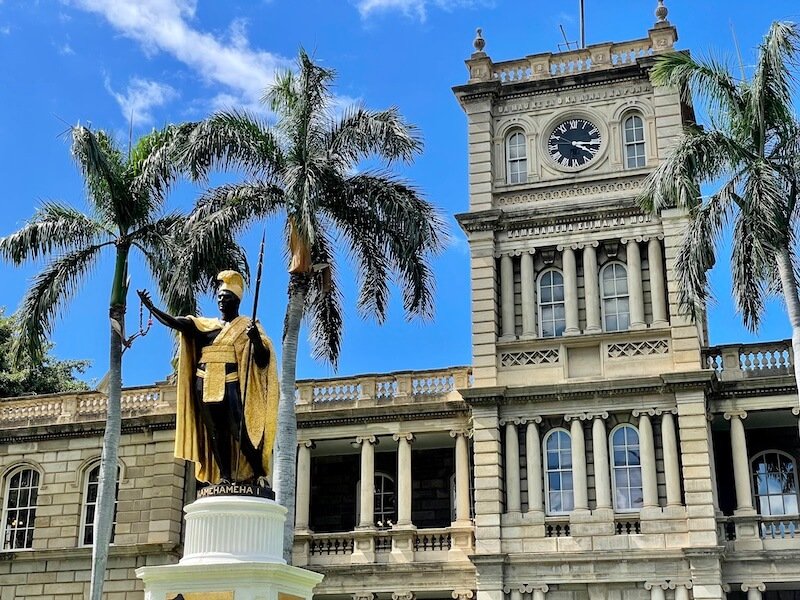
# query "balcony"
(733, 362)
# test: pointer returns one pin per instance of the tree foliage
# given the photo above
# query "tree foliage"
(50, 376)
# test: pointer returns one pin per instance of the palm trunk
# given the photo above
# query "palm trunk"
(790, 297)
(106, 495)
(286, 438)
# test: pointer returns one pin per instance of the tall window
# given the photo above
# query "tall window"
(385, 500)
(616, 310)
(775, 483)
(634, 142)
(90, 505)
(626, 466)
(516, 158)
(552, 318)
(19, 512)
(558, 476)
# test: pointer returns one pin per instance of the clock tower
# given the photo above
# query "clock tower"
(570, 279)
(593, 461)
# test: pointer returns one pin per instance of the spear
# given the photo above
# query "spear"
(250, 343)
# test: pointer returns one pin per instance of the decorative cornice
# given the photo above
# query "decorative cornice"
(311, 420)
(632, 184)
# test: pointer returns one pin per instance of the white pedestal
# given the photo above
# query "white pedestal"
(233, 551)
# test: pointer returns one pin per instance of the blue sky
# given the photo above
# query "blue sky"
(161, 61)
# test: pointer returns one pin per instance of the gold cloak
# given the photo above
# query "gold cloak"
(260, 409)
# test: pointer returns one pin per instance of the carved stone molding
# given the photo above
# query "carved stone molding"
(649, 585)
(514, 420)
(586, 416)
(307, 443)
(363, 596)
(570, 192)
(748, 585)
(462, 594)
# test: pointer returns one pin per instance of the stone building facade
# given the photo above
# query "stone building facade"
(597, 448)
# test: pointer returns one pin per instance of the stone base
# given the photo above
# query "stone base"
(233, 551)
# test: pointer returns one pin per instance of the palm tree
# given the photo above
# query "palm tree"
(751, 149)
(305, 167)
(126, 195)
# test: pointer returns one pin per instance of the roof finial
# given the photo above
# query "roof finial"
(479, 42)
(661, 12)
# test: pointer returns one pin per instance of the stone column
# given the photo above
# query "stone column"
(533, 460)
(528, 292)
(647, 451)
(591, 288)
(753, 590)
(682, 590)
(538, 591)
(367, 514)
(512, 467)
(507, 296)
(741, 462)
(579, 479)
(658, 299)
(570, 270)
(672, 472)
(635, 293)
(303, 484)
(403, 477)
(516, 594)
(462, 475)
(657, 589)
(602, 477)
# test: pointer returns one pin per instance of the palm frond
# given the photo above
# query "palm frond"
(361, 132)
(698, 156)
(749, 269)
(51, 289)
(323, 305)
(708, 79)
(53, 227)
(152, 163)
(231, 139)
(103, 168)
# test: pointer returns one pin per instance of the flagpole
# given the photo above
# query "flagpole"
(583, 30)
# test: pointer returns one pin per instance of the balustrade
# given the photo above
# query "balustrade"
(741, 361)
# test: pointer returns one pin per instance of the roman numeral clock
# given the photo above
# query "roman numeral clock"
(574, 143)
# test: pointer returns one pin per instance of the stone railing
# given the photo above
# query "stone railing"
(741, 361)
(405, 386)
(627, 524)
(81, 407)
(557, 527)
(572, 62)
(431, 540)
(781, 527)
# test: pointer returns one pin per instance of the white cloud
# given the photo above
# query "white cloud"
(66, 49)
(411, 8)
(5, 30)
(140, 98)
(165, 26)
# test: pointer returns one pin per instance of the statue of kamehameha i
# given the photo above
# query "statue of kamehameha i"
(227, 389)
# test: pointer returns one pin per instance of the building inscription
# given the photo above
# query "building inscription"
(576, 98)
(587, 225)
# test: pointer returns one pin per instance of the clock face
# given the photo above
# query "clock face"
(574, 143)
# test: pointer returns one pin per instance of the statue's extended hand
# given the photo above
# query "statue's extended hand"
(145, 297)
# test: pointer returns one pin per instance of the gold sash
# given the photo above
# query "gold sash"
(220, 352)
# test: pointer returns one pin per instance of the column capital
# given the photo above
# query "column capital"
(635, 238)
(462, 595)
(366, 438)
(796, 411)
(467, 433)
(739, 414)
(363, 596)
(645, 412)
(512, 420)
(403, 596)
(687, 584)
(589, 244)
(537, 587)
(409, 437)
(572, 246)
(749, 585)
(649, 585)
(307, 444)
(585, 416)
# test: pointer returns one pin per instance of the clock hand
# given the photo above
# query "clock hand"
(582, 144)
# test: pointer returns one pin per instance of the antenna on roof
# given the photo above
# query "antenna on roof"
(566, 46)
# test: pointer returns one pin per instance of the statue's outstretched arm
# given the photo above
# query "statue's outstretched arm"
(182, 324)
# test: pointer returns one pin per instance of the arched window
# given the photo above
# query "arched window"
(614, 290)
(558, 472)
(633, 129)
(516, 158)
(19, 510)
(552, 318)
(385, 500)
(775, 483)
(90, 496)
(626, 468)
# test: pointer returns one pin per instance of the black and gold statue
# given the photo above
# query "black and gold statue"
(225, 428)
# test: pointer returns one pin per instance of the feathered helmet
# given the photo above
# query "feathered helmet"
(231, 281)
